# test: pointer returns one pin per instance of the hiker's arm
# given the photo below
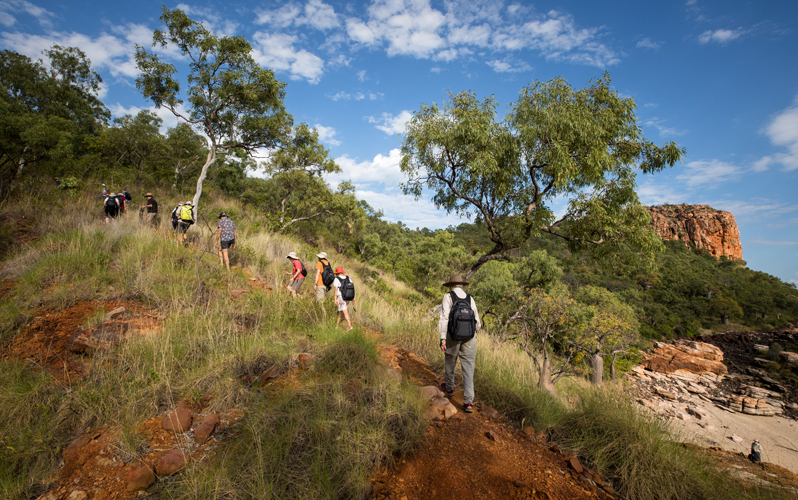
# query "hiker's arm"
(443, 322)
(476, 313)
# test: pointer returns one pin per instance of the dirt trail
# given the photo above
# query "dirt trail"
(479, 456)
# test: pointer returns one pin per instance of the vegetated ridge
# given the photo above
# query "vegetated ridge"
(701, 225)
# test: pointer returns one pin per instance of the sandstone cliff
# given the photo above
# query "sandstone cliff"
(701, 225)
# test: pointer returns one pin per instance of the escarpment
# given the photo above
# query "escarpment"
(701, 225)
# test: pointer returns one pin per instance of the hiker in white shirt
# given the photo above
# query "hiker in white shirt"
(466, 350)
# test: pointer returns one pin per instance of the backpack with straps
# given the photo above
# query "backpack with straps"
(304, 271)
(111, 202)
(347, 289)
(185, 213)
(327, 275)
(462, 319)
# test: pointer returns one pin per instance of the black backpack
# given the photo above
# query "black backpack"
(111, 202)
(128, 196)
(347, 289)
(304, 271)
(327, 275)
(462, 320)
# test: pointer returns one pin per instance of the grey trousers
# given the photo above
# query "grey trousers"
(467, 352)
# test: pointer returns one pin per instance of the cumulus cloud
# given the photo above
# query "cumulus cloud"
(106, 51)
(277, 51)
(361, 75)
(782, 131)
(357, 96)
(9, 8)
(647, 43)
(314, 13)
(211, 18)
(720, 36)
(413, 213)
(415, 28)
(381, 170)
(391, 124)
(169, 119)
(709, 174)
(327, 135)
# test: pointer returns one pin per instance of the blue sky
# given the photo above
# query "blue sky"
(718, 77)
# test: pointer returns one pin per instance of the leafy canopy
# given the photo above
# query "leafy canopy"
(557, 143)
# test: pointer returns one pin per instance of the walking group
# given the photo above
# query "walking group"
(326, 279)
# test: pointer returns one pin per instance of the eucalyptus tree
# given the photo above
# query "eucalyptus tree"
(583, 147)
(231, 100)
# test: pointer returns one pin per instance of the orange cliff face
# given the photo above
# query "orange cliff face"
(701, 225)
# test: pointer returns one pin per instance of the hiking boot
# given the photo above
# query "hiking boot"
(468, 407)
(350, 328)
(446, 391)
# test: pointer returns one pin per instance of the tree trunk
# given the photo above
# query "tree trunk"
(597, 362)
(545, 375)
(208, 162)
(612, 367)
(725, 318)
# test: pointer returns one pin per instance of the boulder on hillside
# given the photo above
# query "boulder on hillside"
(690, 356)
(789, 357)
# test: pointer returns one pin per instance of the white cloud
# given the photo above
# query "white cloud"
(506, 66)
(327, 135)
(105, 52)
(315, 13)
(664, 131)
(782, 131)
(361, 75)
(381, 170)
(709, 174)
(414, 28)
(721, 36)
(277, 51)
(391, 124)
(10, 7)
(413, 213)
(647, 43)
(772, 243)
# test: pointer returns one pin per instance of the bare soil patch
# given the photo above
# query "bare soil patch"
(49, 341)
(480, 456)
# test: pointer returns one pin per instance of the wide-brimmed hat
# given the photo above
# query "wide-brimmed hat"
(322, 255)
(455, 279)
(223, 214)
(291, 255)
(339, 270)
(112, 195)
(148, 194)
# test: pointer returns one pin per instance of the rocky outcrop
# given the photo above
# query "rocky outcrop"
(701, 225)
(695, 357)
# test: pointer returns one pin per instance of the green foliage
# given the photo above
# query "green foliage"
(583, 145)
(232, 100)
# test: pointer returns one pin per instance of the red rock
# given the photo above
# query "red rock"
(203, 431)
(700, 225)
(178, 421)
(268, 375)
(73, 454)
(449, 411)
(576, 465)
(171, 462)
(529, 431)
(140, 478)
(492, 436)
(520, 484)
(668, 358)
(305, 360)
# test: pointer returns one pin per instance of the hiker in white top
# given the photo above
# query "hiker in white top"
(343, 305)
(457, 323)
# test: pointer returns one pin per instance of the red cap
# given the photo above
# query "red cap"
(339, 270)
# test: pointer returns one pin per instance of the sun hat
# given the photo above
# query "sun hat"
(112, 195)
(339, 270)
(455, 279)
(223, 214)
(291, 255)
(148, 194)
(322, 255)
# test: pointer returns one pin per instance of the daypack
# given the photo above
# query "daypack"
(128, 196)
(185, 213)
(304, 271)
(462, 320)
(327, 275)
(111, 202)
(347, 289)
